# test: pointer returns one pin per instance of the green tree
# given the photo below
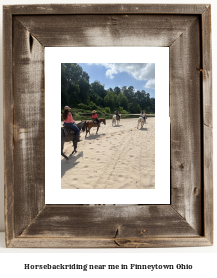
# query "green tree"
(134, 108)
(73, 93)
(109, 101)
(117, 90)
(74, 84)
(131, 89)
(84, 89)
(64, 97)
(76, 91)
(122, 99)
(98, 89)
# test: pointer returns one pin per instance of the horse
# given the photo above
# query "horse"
(115, 118)
(141, 121)
(71, 137)
(90, 124)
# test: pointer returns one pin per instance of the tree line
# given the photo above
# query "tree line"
(77, 92)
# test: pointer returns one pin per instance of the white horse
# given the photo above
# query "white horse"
(115, 118)
(141, 121)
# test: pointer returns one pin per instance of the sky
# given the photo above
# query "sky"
(139, 75)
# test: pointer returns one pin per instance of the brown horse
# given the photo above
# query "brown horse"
(90, 124)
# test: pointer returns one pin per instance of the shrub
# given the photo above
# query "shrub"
(92, 106)
(107, 110)
(124, 112)
(120, 109)
(83, 106)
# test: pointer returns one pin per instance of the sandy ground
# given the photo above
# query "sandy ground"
(117, 157)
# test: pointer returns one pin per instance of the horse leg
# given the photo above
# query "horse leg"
(97, 129)
(75, 146)
(62, 146)
(64, 155)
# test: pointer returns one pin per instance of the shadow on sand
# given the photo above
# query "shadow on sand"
(94, 136)
(116, 125)
(143, 129)
(70, 163)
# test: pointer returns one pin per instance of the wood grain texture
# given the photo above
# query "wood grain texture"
(107, 30)
(109, 222)
(208, 183)
(8, 125)
(207, 66)
(106, 9)
(185, 113)
(34, 242)
(29, 130)
(208, 122)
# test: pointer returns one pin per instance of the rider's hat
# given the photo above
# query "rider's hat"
(66, 107)
(94, 111)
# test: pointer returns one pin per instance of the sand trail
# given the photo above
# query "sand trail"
(117, 157)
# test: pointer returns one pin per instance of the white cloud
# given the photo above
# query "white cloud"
(140, 71)
(150, 84)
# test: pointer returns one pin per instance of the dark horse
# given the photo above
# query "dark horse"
(90, 124)
(71, 137)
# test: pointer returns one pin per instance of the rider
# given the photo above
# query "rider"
(94, 117)
(143, 115)
(68, 121)
(117, 114)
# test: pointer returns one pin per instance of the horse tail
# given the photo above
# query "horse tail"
(84, 126)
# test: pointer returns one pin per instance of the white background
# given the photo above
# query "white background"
(53, 192)
(203, 258)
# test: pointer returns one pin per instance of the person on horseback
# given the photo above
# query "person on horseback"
(117, 114)
(95, 117)
(143, 115)
(68, 121)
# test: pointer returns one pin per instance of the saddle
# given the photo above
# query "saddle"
(68, 129)
(95, 122)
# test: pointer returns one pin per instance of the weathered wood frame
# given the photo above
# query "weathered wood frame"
(188, 220)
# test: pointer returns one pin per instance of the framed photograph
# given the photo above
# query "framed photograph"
(102, 199)
(122, 158)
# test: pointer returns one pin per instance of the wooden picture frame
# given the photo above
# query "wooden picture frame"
(186, 30)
